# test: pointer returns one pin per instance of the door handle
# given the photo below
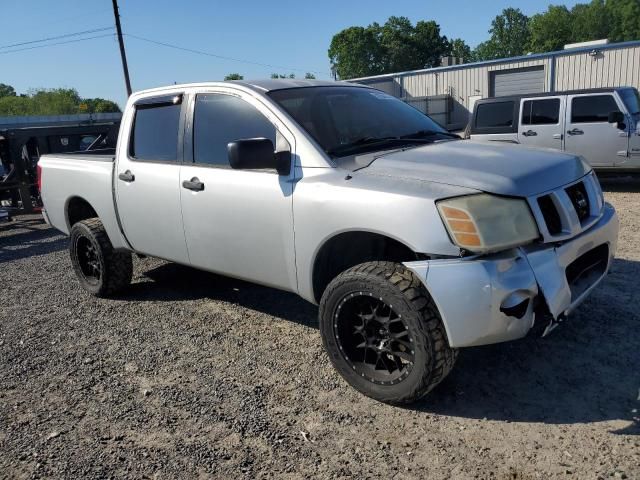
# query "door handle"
(530, 133)
(127, 176)
(194, 184)
(575, 131)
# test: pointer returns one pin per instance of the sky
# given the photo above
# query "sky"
(282, 36)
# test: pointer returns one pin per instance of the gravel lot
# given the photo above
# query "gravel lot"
(195, 375)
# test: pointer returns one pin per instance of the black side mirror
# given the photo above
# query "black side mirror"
(618, 118)
(257, 154)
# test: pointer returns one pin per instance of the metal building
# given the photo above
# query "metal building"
(449, 93)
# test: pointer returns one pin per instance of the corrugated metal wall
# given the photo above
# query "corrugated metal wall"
(460, 83)
(611, 67)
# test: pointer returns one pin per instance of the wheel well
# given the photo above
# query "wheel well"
(352, 248)
(79, 209)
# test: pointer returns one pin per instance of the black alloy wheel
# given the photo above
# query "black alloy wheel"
(88, 260)
(373, 338)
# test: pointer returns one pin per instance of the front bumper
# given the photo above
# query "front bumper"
(494, 298)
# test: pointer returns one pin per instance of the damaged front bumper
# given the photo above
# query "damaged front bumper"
(496, 298)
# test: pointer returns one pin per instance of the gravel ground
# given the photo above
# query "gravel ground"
(195, 375)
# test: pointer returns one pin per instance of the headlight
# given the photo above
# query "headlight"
(482, 223)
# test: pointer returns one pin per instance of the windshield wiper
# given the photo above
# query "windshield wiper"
(428, 133)
(371, 141)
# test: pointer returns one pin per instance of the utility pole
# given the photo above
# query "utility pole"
(123, 55)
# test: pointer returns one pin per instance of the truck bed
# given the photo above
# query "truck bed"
(102, 155)
(70, 180)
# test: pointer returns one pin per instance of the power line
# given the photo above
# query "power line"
(66, 35)
(57, 43)
(60, 20)
(208, 54)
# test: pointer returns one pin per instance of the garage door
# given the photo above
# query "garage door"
(517, 81)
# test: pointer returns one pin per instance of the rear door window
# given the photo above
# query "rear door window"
(495, 115)
(154, 136)
(593, 108)
(541, 112)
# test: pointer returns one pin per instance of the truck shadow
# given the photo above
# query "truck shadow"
(622, 183)
(586, 371)
(173, 282)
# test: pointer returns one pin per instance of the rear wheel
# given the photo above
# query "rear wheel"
(101, 270)
(383, 332)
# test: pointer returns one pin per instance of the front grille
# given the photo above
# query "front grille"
(567, 211)
(550, 214)
(585, 270)
(580, 200)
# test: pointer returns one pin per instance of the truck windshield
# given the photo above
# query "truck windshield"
(631, 100)
(351, 120)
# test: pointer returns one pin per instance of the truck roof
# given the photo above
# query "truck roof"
(263, 86)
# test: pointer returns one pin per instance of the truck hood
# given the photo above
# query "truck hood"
(504, 169)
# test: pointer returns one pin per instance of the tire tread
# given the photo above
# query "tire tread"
(430, 329)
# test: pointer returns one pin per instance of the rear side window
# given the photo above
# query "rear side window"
(220, 119)
(595, 108)
(541, 112)
(495, 115)
(155, 132)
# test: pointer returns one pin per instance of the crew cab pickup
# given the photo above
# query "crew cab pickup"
(602, 125)
(413, 242)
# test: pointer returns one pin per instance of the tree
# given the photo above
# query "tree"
(98, 105)
(590, 21)
(509, 36)
(429, 45)
(625, 19)
(395, 46)
(397, 41)
(279, 75)
(56, 101)
(459, 49)
(356, 52)
(6, 91)
(551, 30)
(233, 76)
(309, 76)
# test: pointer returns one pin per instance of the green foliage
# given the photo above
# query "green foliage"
(513, 34)
(98, 105)
(56, 101)
(234, 76)
(509, 36)
(589, 21)
(309, 76)
(6, 91)
(459, 49)
(356, 52)
(279, 75)
(395, 46)
(624, 17)
(551, 30)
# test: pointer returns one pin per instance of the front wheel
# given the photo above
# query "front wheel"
(102, 271)
(384, 334)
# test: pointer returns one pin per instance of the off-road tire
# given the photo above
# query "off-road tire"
(116, 266)
(398, 286)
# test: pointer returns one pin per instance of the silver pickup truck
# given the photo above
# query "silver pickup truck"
(413, 242)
